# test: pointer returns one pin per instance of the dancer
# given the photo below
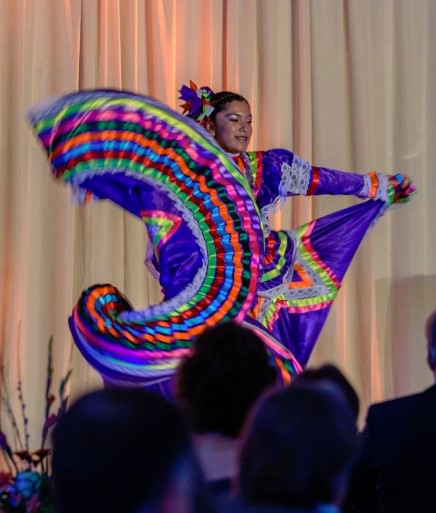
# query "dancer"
(301, 269)
(206, 214)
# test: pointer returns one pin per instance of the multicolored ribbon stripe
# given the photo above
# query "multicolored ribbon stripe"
(99, 133)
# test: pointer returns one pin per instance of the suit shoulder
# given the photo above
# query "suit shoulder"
(399, 405)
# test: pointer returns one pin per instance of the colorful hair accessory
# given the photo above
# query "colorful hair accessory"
(196, 102)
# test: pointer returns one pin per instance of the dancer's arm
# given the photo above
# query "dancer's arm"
(286, 174)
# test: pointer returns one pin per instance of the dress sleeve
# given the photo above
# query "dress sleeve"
(286, 174)
(279, 173)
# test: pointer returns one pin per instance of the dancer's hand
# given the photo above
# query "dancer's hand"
(402, 186)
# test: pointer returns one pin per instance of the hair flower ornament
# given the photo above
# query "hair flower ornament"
(197, 103)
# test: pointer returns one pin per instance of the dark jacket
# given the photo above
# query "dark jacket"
(398, 459)
(237, 505)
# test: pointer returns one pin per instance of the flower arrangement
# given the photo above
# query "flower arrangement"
(26, 486)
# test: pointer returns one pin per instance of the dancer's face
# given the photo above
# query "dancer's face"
(232, 127)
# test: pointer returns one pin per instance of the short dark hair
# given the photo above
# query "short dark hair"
(297, 449)
(219, 382)
(222, 98)
(330, 373)
(116, 450)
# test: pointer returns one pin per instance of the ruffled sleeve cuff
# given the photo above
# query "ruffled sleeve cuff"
(376, 186)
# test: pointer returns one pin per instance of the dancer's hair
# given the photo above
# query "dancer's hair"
(203, 105)
(221, 99)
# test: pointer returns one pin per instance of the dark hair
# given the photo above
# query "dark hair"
(220, 381)
(297, 449)
(331, 373)
(116, 450)
(222, 98)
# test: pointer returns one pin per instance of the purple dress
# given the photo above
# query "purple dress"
(302, 269)
(210, 243)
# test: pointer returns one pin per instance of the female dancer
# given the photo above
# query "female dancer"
(205, 202)
(301, 269)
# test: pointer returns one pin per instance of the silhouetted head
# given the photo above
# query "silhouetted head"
(326, 375)
(219, 382)
(297, 450)
(123, 451)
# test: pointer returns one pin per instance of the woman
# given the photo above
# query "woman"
(303, 268)
(206, 214)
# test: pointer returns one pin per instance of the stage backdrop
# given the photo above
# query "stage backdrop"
(345, 84)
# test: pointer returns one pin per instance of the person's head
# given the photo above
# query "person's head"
(123, 451)
(230, 121)
(431, 341)
(327, 375)
(297, 450)
(226, 115)
(220, 381)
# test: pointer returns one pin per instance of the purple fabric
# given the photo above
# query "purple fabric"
(180, 258)
(336, 238)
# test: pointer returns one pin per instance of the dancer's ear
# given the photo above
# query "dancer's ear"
(210, 127)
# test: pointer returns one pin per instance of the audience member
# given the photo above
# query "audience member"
(396, 472)
(217, 385)
(296, 453)
(125, 451)
(327, 375)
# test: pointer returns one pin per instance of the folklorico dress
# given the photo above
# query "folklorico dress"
(210, 243)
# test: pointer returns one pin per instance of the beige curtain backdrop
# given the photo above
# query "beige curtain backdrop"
(346, 84)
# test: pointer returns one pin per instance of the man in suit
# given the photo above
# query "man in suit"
(398, 460)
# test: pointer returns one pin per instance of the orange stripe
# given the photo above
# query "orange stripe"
(306, 280)
(94, 136)
(285, 374)
(374, 184)
(202, 186)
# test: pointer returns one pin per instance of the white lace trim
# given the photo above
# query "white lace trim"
(265, 212)
(382, 189)
(295, 178)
